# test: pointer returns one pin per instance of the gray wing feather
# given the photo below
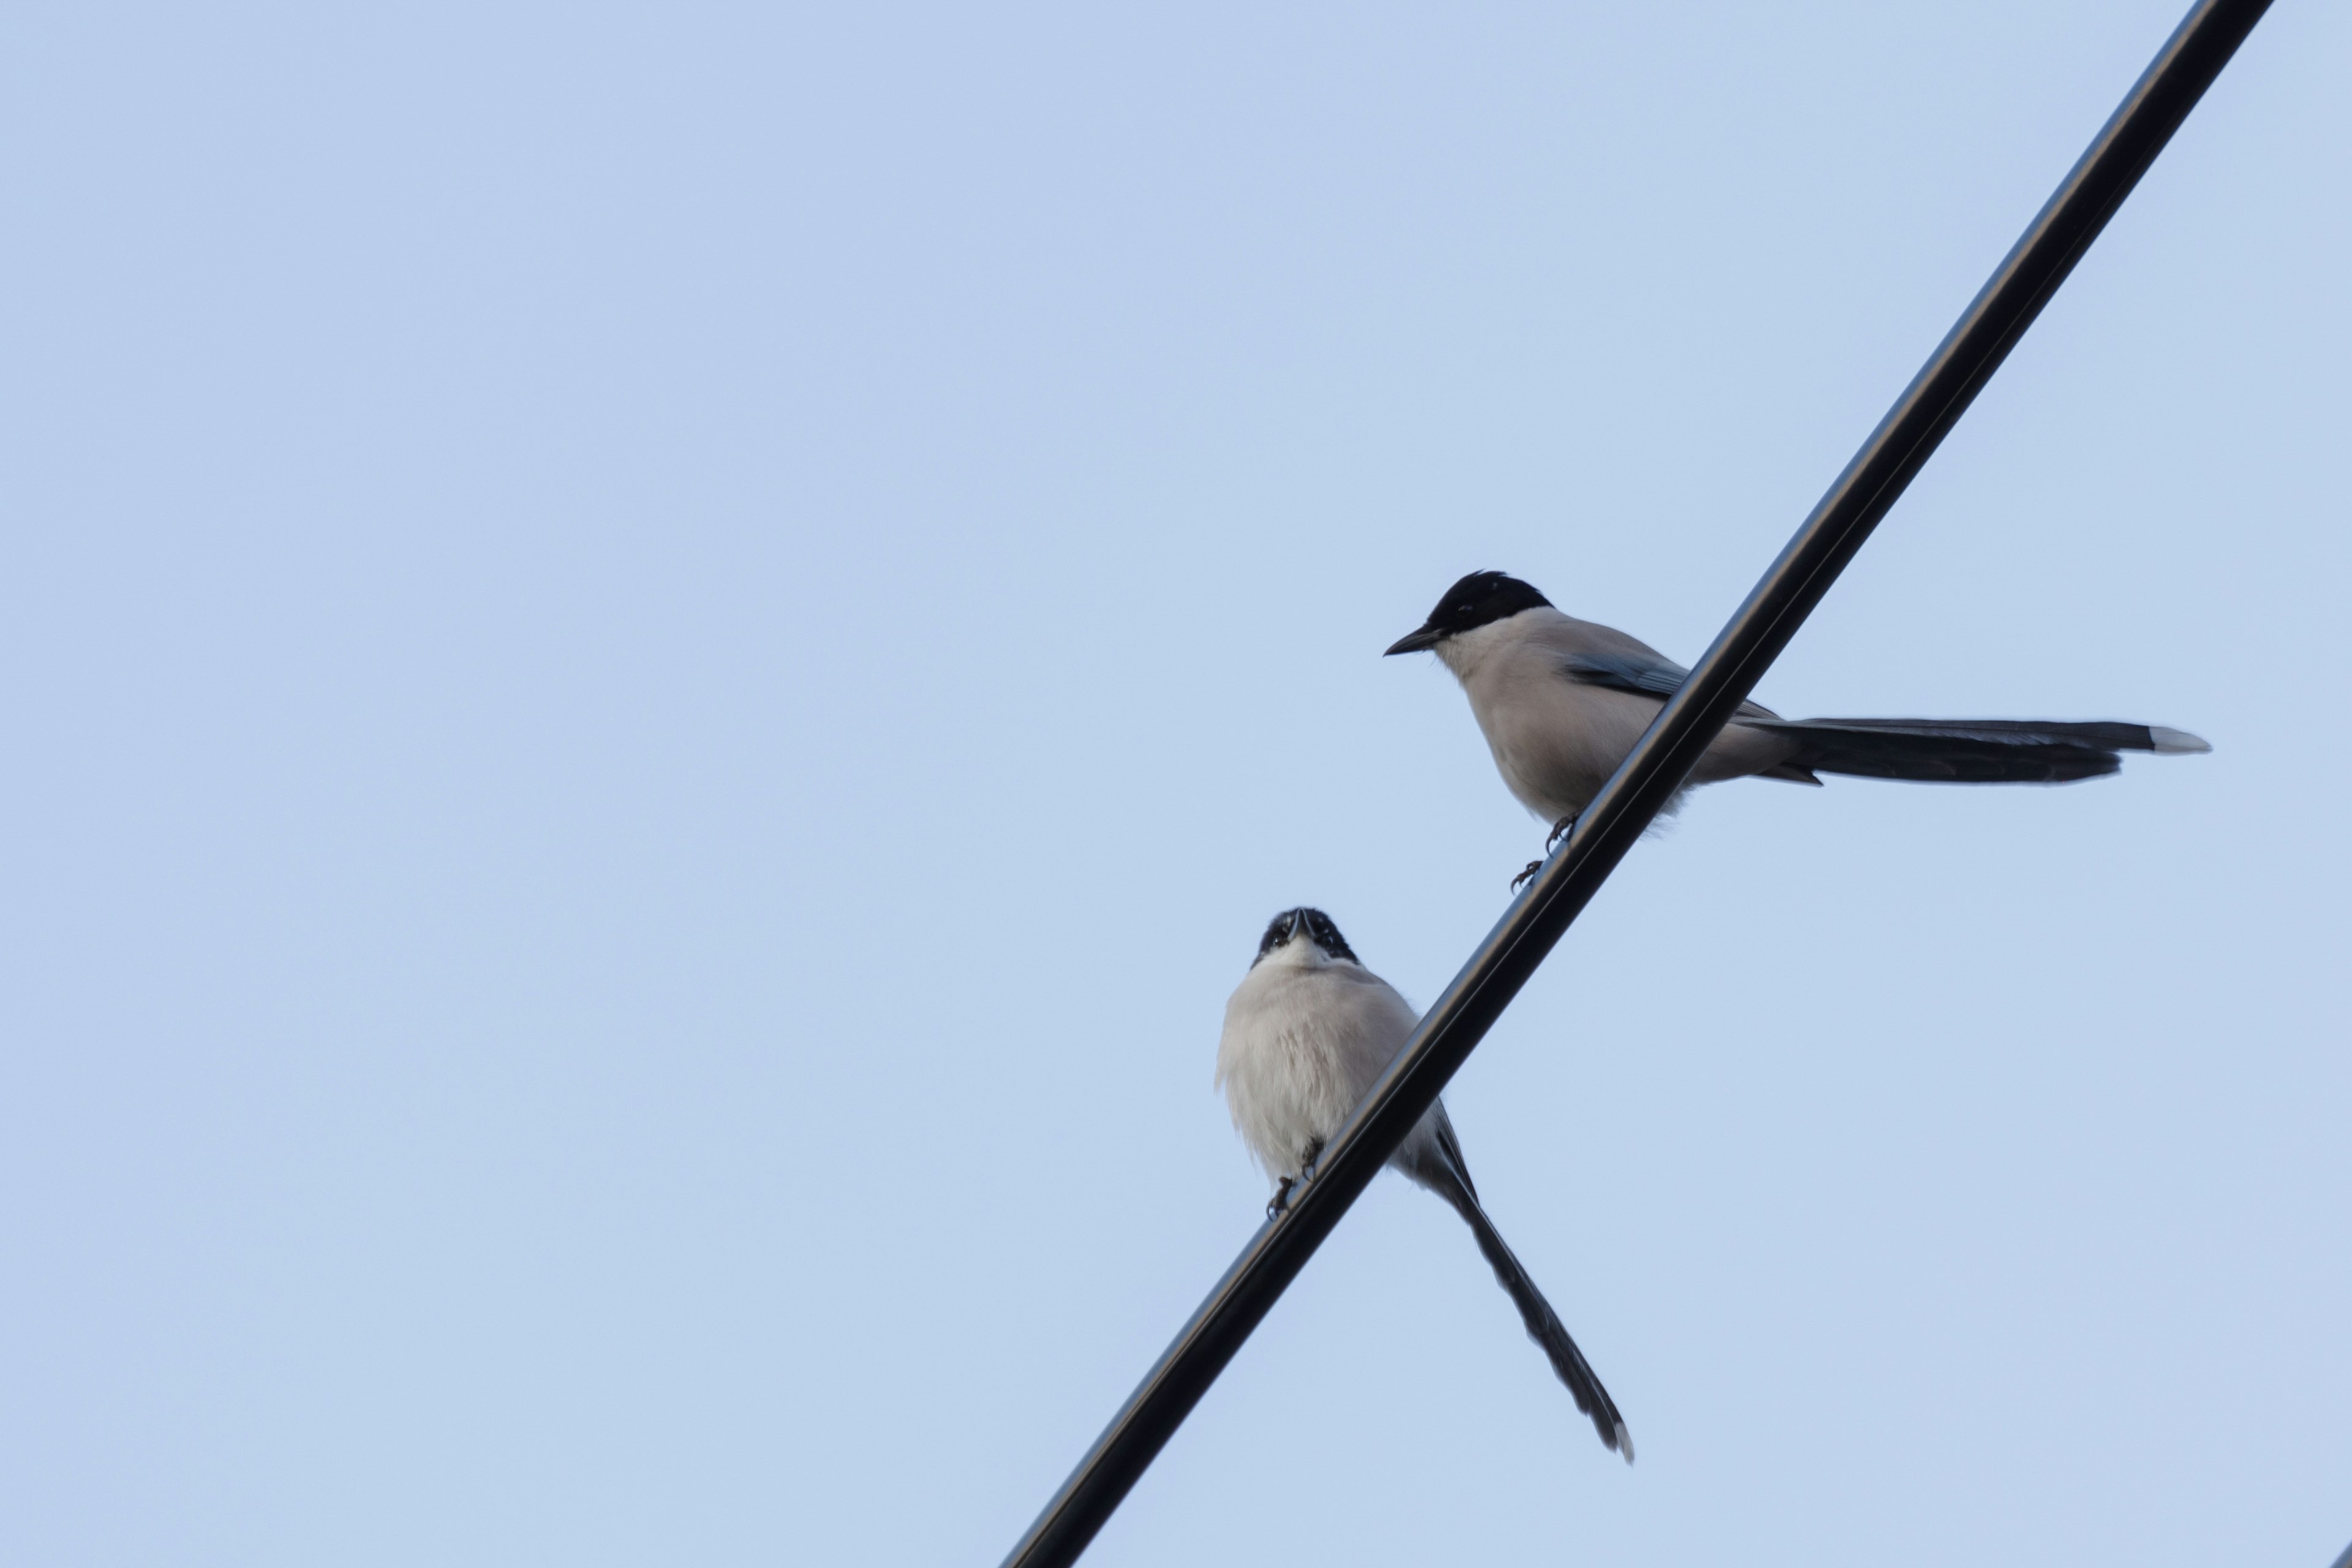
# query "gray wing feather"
(1626, 672)
(1643, 675)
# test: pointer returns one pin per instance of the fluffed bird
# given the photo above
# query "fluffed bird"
(1308, 1033)
(1562, 701)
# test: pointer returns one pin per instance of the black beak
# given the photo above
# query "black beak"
(1414, 642)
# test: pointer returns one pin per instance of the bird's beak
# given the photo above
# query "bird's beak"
(1413, 642)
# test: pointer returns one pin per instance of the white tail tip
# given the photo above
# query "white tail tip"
(2172, 742)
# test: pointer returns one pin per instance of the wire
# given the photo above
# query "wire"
(1651, 773)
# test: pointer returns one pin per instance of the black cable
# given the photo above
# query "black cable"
(2123, 151)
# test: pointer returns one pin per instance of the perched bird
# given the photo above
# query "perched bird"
(1562, 701)
(1308, 1033)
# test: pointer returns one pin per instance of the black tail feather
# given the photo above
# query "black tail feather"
(1447, 1177)
(1968, 751)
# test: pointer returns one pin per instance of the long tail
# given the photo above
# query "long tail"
(1443, 1172)
(1967, 751)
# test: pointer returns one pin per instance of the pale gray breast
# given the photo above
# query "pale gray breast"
(1372, 1022)
(1554, 739)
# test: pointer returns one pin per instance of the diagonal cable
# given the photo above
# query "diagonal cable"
(2122, 151)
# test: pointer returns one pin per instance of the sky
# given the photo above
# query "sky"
(658, 664)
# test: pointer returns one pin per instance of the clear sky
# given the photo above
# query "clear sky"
(657, 664)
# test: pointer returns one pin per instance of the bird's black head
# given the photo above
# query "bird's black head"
(1313, 924)
(1474, 602)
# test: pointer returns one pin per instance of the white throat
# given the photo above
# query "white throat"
(1299, 953)
(1466, 653)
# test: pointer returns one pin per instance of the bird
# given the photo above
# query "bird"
(1562, 701)
(1308, 1033)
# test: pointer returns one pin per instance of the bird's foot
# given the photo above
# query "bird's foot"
(1278, 1205)
(1559, 830)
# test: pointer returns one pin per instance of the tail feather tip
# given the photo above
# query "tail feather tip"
(2171, 743)
(1625, 1444)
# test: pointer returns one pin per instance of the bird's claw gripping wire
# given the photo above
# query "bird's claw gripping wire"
(1559, 830)
(1278, 1205)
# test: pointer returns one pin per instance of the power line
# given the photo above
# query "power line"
(2024, 281)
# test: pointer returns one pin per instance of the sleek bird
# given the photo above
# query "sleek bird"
(1308, 1033)
(1562, 701)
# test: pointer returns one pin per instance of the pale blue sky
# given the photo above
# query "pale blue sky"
(658, 663)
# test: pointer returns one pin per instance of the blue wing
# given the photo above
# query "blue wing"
(1644, 676)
